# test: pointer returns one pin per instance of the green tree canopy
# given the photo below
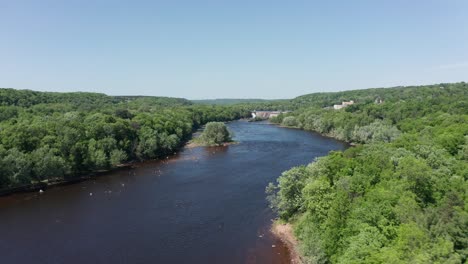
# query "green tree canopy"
(215, 133)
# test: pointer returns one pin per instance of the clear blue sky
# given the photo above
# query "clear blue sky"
(230, 49)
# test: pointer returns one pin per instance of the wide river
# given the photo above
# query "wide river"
(203, 205)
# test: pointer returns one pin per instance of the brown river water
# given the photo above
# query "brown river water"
(203, 205)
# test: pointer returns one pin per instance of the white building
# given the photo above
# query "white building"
(266, 114)
(343, 104)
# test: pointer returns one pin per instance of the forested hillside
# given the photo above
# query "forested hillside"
(400, 195)
(47, 137)
(228, 101)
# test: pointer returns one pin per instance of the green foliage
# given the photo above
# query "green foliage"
(46, 164)
(277, 119)
(375, 132)
(215, 133)
(288, 199)
(289, 121)
(402, 197)
(230, 101)
(46, 137)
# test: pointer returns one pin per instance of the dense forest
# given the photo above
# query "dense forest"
(49, 137)
(229, 101)
(400, 195)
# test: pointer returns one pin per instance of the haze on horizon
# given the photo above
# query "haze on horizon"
(242, 49)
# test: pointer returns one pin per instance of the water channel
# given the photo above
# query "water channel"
(203, 205)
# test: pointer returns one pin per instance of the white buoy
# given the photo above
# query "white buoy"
(41, 191)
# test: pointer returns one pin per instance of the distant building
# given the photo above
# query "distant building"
(274, 114)
(266, 114)
(336, 107)
(343, 104)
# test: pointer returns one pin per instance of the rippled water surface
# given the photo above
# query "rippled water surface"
(204, 205)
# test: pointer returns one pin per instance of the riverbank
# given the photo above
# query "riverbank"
(203, 205)
(286, 234)
(284, 231)
(39, 186)
(328, 135)
(195, 144)
(43, 185)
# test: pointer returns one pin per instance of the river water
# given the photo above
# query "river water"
(203, 205)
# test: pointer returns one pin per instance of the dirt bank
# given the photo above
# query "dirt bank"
(286, 234)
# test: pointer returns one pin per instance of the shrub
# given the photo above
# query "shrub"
(215, 133)
(289, 121)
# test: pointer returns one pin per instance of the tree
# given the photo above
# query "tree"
(289, 121)
(47, 165)
(215, 133)
(117, 156)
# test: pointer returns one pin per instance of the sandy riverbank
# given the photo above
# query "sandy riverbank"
(194, 144)
(286, 234)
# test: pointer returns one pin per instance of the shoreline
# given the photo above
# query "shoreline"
(42, 186)
(326, 135)
(38, 186)
(285, 233)
(192, 144)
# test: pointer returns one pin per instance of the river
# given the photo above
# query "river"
(203, 205)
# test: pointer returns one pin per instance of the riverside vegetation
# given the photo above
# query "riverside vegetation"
(400, 195)
(214, 134)
(49, 137)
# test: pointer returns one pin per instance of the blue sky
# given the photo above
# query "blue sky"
(230, 49)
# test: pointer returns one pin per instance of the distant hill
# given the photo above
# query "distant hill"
(230, 101)
(155, 100)
(390, 94)
(27, 98)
